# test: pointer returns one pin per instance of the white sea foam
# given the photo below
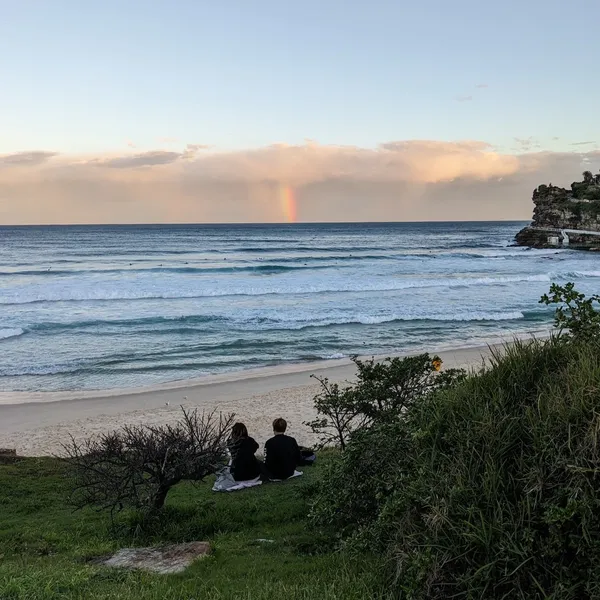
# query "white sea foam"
(117, 291)
(304, 321)
(466, 316)
(150, 305)
(583, 274)
(9, 333)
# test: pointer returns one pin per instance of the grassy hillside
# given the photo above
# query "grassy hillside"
(47, 551)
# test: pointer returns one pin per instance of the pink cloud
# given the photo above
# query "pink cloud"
(398, 180)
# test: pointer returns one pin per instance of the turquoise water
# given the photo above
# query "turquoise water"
(104, 307)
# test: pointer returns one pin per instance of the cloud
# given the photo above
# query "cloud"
(397, 180)
(482, 86)
(131, 144)
(146, 159)
(168, 140)
(32, 158)
(582, 143)
(408, 161)
(526, 144)
(464, 98)
(192, 149)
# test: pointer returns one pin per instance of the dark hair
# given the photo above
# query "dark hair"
(279, 425)
(239, 430)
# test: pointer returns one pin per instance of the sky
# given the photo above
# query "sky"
(268, 111)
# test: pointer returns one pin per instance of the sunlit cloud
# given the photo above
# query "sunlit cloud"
(397, 180)
(192, 149)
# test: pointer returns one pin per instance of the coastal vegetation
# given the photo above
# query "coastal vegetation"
(441, 484)
(136, 466)
(487, 488)
(588, 189)
(383, 391)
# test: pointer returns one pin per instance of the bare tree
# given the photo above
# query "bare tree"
(136, 466)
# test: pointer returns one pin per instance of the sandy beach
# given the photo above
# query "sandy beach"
(37, 424)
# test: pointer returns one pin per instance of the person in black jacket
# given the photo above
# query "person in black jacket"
(282, 453)
(244, 465)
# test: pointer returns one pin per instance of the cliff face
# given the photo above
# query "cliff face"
(559, 209)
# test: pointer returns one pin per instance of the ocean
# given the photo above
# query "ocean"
(99, 307)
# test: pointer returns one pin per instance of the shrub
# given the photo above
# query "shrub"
(138, 465)
(339, 414)
(358, 481)
(592, 193)
(579, 189)
(575, 316)
(489, 488)
(386, 389)
(382, 392)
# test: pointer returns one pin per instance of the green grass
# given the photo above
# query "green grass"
(47, 551)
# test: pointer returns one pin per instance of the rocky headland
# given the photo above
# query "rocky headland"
(563, 217)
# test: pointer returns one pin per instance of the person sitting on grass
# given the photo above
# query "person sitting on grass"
(244, 465)
(282, 453)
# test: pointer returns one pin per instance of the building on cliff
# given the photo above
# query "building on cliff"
(564, 217)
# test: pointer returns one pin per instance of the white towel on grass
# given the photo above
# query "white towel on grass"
(226, 483)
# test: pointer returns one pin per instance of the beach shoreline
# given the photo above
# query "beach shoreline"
(40, 427)
(8, 398)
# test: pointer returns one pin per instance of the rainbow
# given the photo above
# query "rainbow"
(288, 203)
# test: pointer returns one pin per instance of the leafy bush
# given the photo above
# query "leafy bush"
(576, 316)
(355, 486)
(592, 193)
(489, 488)
(338, 412)
(579, 189)
(382, 392)
(138, 465)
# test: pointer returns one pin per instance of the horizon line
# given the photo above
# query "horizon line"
(274, 223)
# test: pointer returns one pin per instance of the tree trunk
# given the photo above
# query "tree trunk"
(161, 496)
